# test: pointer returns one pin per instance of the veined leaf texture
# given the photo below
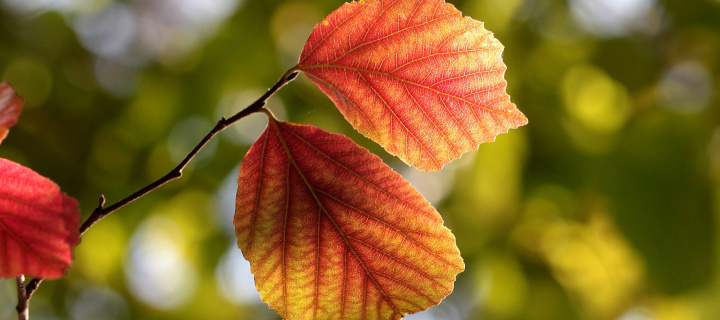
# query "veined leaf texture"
(38, 222)
(414, 76)
(331, 232)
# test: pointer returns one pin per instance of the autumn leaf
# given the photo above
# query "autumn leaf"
(10, 107)
(38, 224)
(331, 232)
(415, 76)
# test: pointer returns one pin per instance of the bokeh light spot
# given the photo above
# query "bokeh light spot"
(595, 100)
(502, 285)
(225, 198)
(614, 18)
(686, 87)
(99, 304)
(102, 251)
(156, 271)
(108, 32)
(290, 27)
(233, 277)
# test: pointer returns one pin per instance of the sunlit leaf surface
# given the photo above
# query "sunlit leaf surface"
(331, 232)
(38, 224)
(415, 76)
(10, 107)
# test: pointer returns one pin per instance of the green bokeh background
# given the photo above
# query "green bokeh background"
(604, 206)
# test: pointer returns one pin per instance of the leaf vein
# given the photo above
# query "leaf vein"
(400, 230)
(388, 36)
(395, 116)
(413, 268)
(327, 214)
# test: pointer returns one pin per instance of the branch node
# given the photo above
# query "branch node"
(25, 291)
(292, 76)
(101, 202)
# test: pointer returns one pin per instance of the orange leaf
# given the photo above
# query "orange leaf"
(331, 232)
(38, 224)
(415, 76)
(10, 107)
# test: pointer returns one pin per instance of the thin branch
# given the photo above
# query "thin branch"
(101, 211)
(23, 299)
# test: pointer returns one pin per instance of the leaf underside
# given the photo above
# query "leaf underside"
(415, 76)
(331, 232)
(38, 224)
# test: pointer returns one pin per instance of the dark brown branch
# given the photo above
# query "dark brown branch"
(101, 211)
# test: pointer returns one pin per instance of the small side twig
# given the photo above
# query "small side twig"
(101, 211)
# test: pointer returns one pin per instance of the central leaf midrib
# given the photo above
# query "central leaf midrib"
(361, 177)
(327, 214)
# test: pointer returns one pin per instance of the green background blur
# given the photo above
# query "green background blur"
(604, 206)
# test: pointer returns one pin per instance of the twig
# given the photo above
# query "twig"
(23, 299)
(101, 211)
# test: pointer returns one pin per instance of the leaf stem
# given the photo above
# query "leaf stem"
(25, 292)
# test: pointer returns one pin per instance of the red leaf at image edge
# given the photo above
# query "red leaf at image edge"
(38, 224)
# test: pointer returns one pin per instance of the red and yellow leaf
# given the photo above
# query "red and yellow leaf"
(415, 76)
(38, 224)
(331, 232)
(10, 107)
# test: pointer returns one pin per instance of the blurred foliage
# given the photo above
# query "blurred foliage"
(604, 207)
